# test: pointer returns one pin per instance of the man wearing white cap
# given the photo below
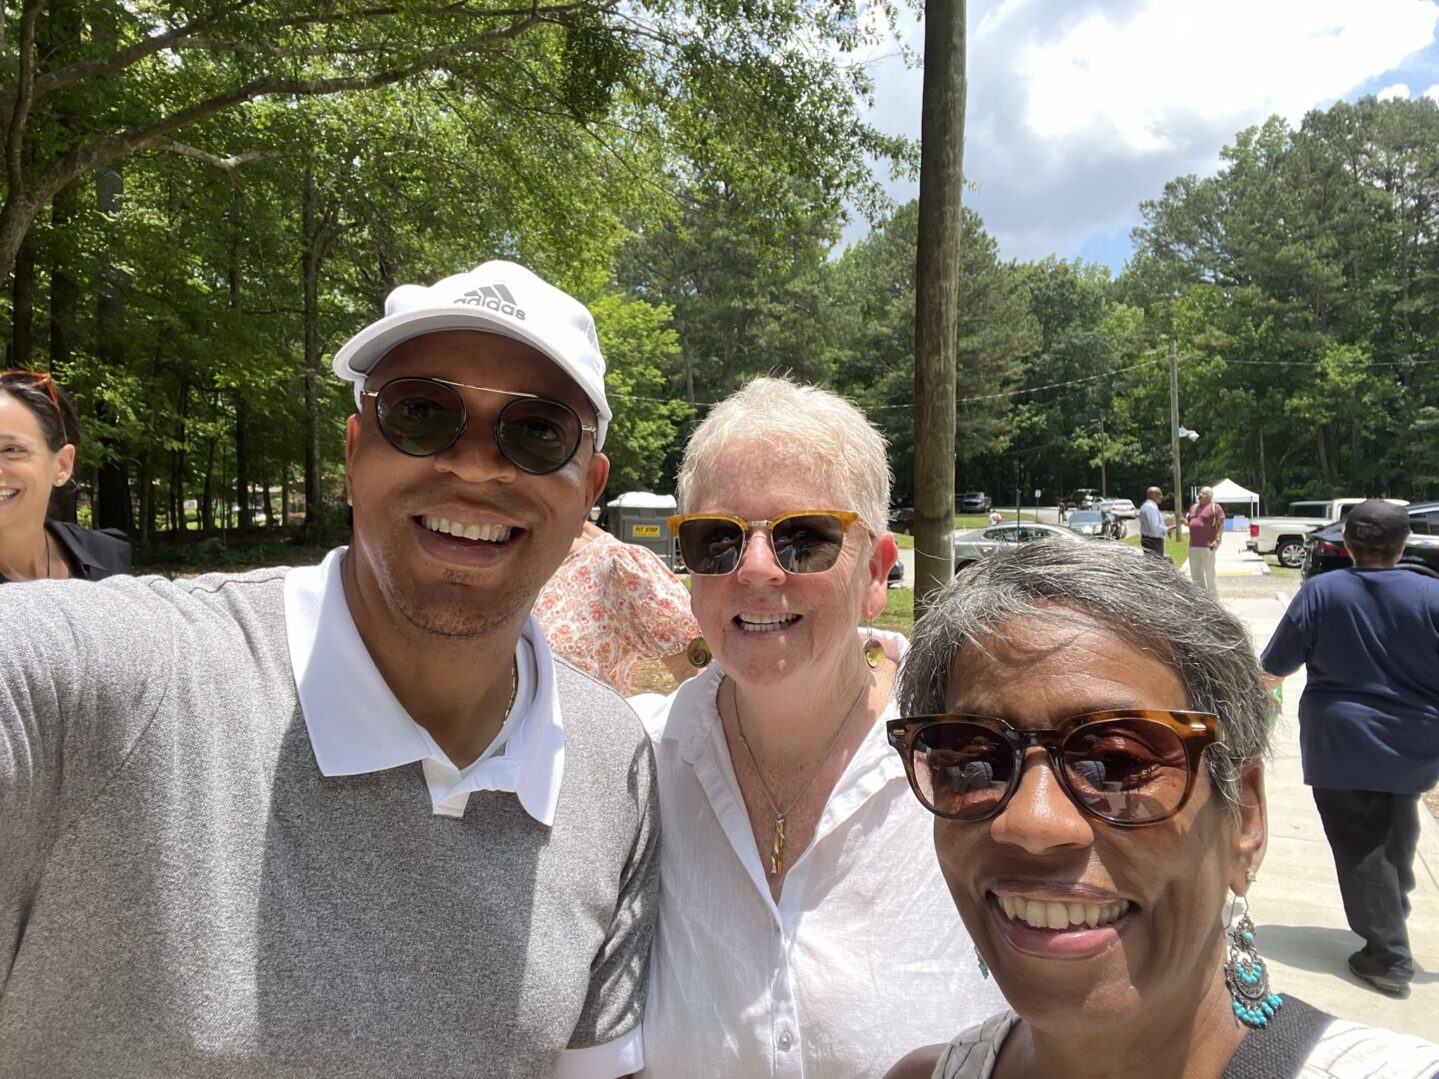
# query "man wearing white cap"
(350, 819)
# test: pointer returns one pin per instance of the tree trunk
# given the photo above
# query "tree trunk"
(177, 462)
(269, 503)
(941, 223)
(311, 259)
(112, 495)
(207, 492)
(22, 300)
(1263, 479)
(145, 531)
(64, 308)
(242, 408)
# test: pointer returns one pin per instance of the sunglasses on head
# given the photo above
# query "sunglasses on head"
(1129, 767)
(41, 380)
(423, 417)
(806, 541)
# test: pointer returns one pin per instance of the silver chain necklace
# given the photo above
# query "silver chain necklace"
(776, 856)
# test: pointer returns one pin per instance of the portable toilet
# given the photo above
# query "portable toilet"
(638, 517)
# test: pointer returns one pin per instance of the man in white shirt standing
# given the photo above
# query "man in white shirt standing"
(1151, 523)
(350, 819)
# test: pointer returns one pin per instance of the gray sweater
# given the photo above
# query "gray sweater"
(182, 892)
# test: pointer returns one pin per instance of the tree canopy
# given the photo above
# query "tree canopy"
(201, 203)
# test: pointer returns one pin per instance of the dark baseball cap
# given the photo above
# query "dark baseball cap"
(1376, 523)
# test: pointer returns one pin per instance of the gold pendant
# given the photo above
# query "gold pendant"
(776, 855)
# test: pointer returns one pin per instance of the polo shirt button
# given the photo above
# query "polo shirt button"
(785, 1041)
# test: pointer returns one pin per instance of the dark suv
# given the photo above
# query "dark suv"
(1324, 547)
(901, 519)
(973, 502)
(1082, 498)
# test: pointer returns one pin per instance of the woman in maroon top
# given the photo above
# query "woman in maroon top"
(1206, 529)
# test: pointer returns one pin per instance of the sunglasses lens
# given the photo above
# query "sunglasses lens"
(1127, 770)
(419, 417)
(538, 436)
(961, 769)
(808, 543)
(710, 545)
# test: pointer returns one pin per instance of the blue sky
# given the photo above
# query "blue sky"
(1079, 109)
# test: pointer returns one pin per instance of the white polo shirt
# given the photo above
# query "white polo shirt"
(356, 726)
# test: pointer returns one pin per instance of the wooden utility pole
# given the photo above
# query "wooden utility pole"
(941, 181)
(1174, 437)
(1103, 466)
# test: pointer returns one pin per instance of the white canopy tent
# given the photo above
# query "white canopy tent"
(1227, 491)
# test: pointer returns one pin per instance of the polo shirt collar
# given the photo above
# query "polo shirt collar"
(357, 726)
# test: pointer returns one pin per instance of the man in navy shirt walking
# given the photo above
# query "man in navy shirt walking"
(1368, 725)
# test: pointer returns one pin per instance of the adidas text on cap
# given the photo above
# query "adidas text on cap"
(496, 297)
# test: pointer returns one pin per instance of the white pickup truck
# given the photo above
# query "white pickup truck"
(1283, 537)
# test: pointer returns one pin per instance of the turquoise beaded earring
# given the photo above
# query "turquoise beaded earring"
(1245, 974)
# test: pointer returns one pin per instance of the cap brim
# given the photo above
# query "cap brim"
(359, 355)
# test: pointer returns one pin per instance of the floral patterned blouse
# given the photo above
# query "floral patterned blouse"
(611, 603)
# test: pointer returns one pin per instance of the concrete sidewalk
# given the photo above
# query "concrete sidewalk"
(1295, 903)
(1234, 559)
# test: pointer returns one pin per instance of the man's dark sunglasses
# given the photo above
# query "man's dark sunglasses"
(1126, 767)
(423, 417)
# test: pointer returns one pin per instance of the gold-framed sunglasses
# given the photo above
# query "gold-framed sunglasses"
(1129, 766)
(805, 541)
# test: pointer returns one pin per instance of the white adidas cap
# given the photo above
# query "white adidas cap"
(497, 297)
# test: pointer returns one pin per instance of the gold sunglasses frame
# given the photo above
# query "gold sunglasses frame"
(845, 517)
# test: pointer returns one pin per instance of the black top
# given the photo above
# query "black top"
(90, 553)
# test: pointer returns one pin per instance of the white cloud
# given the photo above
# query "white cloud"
(1134, 75)
(1397, 91)
(1433, 93)
(1079, 109)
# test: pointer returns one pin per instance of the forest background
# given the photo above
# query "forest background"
(203, 200)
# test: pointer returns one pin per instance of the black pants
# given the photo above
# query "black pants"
(1153, 544)
(1374, 836)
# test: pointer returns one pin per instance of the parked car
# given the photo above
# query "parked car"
(896, 574)
(1082, 498)
(972, 546)
(901, 519)
(973, 502)
(1324, 547)
(1123, 508)
(1098, 523)
(1283, 537)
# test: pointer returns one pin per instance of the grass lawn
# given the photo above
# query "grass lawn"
(898, 611)
(1177, 550)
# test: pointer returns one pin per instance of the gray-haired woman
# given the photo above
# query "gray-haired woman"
(804, 928)
(1089, 730)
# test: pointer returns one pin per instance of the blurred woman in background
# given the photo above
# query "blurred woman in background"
(39, 435)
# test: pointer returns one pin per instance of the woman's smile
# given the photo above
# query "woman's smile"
(765, 623)
(1057, 929)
